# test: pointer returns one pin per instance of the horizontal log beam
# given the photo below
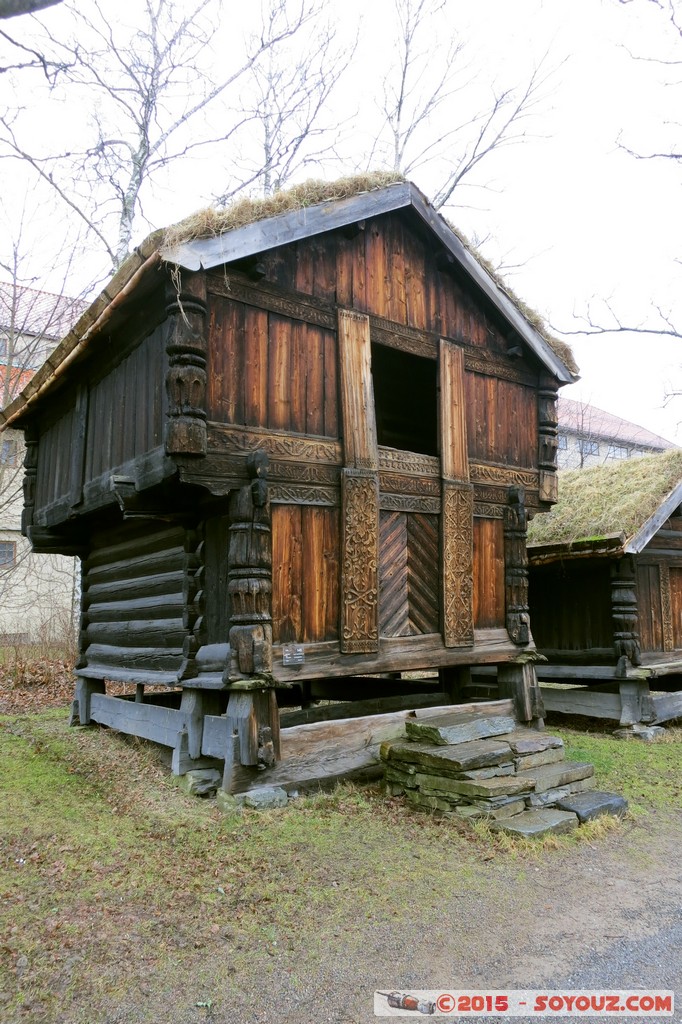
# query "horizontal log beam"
(148, 721)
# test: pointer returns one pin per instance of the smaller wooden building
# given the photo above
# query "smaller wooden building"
(606, 591)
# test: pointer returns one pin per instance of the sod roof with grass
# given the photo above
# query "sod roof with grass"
(627, 500)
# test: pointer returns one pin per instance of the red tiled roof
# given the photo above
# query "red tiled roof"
(18, 379)
(589, 421)
(39, 314)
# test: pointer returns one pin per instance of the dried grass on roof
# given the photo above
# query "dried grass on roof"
(211, 222)
(617, 497)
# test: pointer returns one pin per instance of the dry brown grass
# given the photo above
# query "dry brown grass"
(604, 500)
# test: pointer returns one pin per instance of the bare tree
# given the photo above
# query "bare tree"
(37, 593)
(432, 84)
(152, 97)
(286, 95)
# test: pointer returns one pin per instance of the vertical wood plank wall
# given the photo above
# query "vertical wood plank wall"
(581, 618)
(125, 418)
(489, 596)
(305, 552)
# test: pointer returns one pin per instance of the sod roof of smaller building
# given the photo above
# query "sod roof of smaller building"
(619, 497)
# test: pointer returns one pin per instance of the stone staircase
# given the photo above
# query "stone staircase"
(484, 767)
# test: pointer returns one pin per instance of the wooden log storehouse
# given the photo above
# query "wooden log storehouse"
(295, 445)
(606, 591)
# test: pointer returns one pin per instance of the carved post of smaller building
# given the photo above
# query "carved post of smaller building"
(516, 567)
(624, 614)
(548, 420)
(252, 708)
(187, 348)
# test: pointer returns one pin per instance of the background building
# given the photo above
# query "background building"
(589, 436)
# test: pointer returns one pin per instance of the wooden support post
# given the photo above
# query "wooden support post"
(516, 567)
(548, 420)
(624, 614)
(455, 681)
(139, 693)
(249, 574)
(84, 691)
(519, 682)
(253, 716)
(633, 701)
(31, 435)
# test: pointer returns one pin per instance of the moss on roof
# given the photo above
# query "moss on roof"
(617, 497)
(211, 222)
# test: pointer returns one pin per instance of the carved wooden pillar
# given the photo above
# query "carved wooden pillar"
(249, 575)
(193, 603)
(252, 713)
(547, 439)
(666, 607)
(624, 614)
(457, 515)
(187, 348)
(359, 632)
(516, 567)
(31, 435)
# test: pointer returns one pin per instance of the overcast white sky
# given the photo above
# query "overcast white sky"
(585, 221)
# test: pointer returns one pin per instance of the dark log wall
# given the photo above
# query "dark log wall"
(570, 606)
(135, 584)
(271, 371)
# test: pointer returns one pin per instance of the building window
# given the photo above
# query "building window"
(562, 442)
(8, 554)
(8, 452)
(588, 447)
(405, 400)
(618, 451)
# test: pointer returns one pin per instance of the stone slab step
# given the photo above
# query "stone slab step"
(594, 804)
(448, 760)
(447, 729)
(541, 822)
(554, 776)
(528, 741)
(487, 789)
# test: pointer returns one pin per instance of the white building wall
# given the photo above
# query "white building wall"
(37, 592)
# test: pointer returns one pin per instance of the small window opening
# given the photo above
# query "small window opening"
(405, 400)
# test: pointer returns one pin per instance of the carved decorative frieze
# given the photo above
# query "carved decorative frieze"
(516, 567)
(232, 287)
(278, 444)
(666, 607)
(395, 461)
(403, 339)
(396, 483)
(409, 503)
(491, 365)
(457, 525)
(488, 510)
(624, 614)
(186, 346)
(292, 494)
(488, 473)
(359, 562)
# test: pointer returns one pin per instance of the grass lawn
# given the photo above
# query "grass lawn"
(109, 876)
